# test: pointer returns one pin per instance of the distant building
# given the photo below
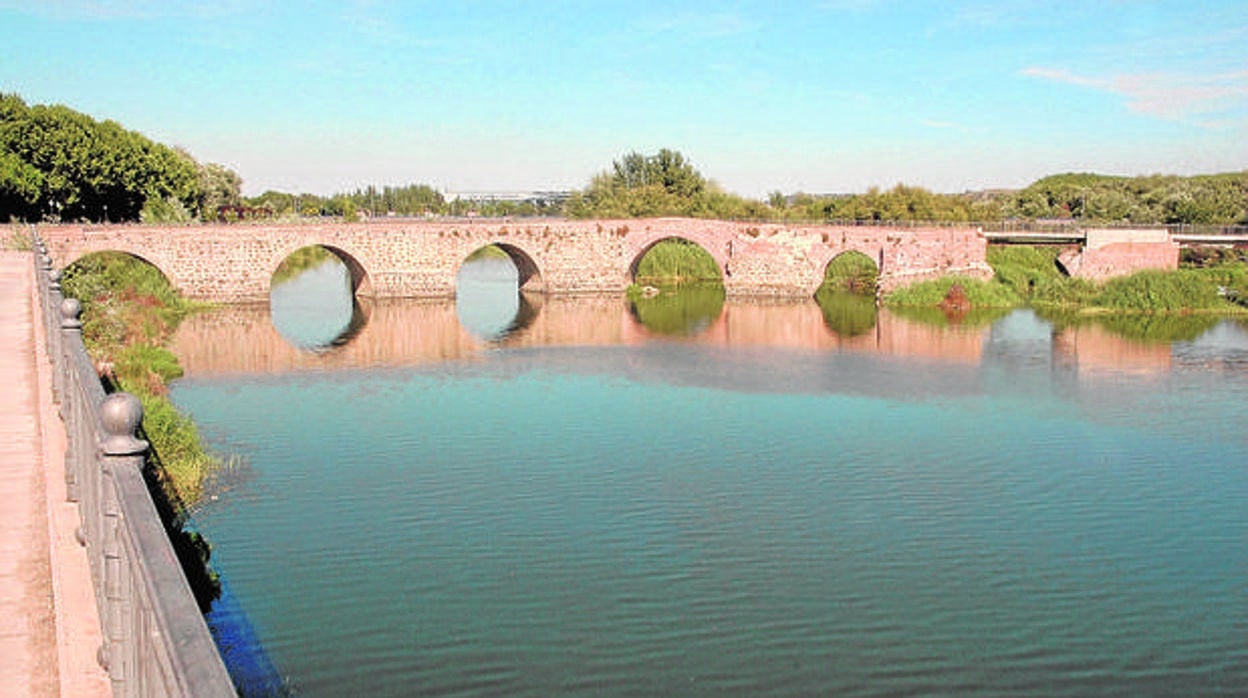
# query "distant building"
(541, 199)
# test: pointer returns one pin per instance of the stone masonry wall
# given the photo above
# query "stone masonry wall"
(1121, 251)
(406, 258)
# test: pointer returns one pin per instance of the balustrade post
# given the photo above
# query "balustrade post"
(43, 270)
(71, 412)
(120, 415)
(50, 303)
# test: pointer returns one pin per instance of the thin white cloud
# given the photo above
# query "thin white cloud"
(1199, 99)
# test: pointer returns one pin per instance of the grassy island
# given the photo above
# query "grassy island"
(1180, 304)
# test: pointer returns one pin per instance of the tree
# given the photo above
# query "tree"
(667, 168)
(219, 186)
(57, 162)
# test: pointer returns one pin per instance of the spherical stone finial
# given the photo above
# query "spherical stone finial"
(120, 415)
(70, 310)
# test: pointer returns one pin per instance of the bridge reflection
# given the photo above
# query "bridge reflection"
(241, 339)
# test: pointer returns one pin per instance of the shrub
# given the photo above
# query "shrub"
(167, 210)
(851, 271)
(982, 294)
(1152, 291)
(677, 260)
(1024, 267)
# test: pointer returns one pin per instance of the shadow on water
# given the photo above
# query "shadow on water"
(846, 313)
(250, 667)
(683, 310)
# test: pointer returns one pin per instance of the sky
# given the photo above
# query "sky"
(821, 96)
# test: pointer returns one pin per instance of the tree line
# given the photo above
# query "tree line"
(667, 184)
(60, 164)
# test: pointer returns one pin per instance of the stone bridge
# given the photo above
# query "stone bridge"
(415, 258)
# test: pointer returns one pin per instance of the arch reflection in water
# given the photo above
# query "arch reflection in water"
(846, 313)
(315, 308)
(682, 310)
(488, 301)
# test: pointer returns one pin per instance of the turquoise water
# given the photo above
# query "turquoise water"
(682, 518)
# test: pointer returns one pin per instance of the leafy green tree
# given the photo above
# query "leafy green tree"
(57, 162)
(218, 187)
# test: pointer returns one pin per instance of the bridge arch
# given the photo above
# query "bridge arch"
(845, 259)
(361, 284)
(88, 256)
(530, 276)
(634, 265)
(852, 270)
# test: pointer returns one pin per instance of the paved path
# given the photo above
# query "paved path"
(49, 630)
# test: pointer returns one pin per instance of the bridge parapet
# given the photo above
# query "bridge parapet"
(156, 642)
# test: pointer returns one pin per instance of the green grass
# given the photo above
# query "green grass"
(1024, 267)
(982, 294)
(1162, 291)
(1210, 282)
(677, 261)
(129, 315)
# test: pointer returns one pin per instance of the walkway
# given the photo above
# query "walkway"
(49, 628)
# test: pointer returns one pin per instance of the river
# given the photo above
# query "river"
(538, 497)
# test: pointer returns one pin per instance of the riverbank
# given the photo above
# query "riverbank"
(129, 315)
(1212, 284)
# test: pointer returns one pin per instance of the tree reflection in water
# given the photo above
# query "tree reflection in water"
(681, 310)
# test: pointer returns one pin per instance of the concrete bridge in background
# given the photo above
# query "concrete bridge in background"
(411, 258)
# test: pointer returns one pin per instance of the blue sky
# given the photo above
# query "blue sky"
(817, 96)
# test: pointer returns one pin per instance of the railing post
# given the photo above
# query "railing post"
(43, 272)
(71, 330)
(120, 415)
(50, 303)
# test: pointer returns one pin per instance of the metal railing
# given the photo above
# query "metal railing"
(156, 642)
